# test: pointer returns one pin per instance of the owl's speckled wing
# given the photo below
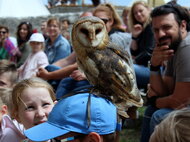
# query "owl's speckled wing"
(111, 70)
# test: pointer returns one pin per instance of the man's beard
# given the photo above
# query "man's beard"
(174, 45)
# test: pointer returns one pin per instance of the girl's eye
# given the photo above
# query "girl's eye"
(29, 108)
(46, 104)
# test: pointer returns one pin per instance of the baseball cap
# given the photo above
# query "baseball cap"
(71, 115)
(37, 37)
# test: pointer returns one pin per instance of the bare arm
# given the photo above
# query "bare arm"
(179, 98)
(71, 59)
(161, 85)
(175, 94)
(58, 74)
(136, 31)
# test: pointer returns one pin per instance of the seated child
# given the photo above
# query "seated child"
(10, 130)
(33, 99)
(8, 74)
(36, 59)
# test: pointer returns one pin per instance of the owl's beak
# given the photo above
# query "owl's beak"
(92, 36)
(92, 39)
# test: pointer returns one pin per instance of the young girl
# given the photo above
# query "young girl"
(33, 99)
(37, 59)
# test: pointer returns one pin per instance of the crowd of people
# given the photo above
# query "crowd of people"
(38, 69)
(53, 3)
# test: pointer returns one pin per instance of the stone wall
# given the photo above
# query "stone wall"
(61, 12)
(12, 23)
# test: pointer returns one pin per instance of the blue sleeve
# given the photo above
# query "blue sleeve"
(62, 51)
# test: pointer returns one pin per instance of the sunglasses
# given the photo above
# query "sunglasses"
(3, 32)
(105, 20)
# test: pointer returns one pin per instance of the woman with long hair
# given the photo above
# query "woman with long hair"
(142, 41)
(112, 20)
(24, 31)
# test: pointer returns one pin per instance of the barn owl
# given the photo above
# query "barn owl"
(107, 67)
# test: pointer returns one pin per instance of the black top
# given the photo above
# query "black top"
(145, 43)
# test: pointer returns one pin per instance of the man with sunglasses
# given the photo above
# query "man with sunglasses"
(7, 48)
(170, 90)
(3, 52)
(81, 117)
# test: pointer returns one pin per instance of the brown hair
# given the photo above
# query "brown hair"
(4, 27)
(110, 10)
(54, 19)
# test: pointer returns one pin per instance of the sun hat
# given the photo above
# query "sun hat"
(71, 115)
(37, 37)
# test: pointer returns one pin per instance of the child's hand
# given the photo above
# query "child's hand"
(43, 73)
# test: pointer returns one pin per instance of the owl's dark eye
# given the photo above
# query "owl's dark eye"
(84, 31)
(98, 31)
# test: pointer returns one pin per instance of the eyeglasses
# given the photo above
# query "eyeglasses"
(3, 32)
(105, 20)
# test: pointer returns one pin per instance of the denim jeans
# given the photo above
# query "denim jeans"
(145, 130)
(157, 117)
(142, 75)
(152, 117)
(67, 85)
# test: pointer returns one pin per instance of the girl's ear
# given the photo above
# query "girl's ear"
(55, 102)
(4, 109)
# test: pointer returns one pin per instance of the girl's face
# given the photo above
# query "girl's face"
(36, 104)
(141, 13)
(53, 29)
(23, 31)
(36, 46)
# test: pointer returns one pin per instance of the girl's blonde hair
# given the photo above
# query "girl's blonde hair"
(174, 128)
(27, 83)
(110, 10)
(132, 21)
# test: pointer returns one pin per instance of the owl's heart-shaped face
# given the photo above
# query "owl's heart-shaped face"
(90, 34)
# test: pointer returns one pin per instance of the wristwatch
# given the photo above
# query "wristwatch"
(155, 68)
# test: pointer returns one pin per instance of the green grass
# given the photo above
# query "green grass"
(133, 134)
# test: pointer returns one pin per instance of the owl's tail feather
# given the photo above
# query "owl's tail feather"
(122, 113)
